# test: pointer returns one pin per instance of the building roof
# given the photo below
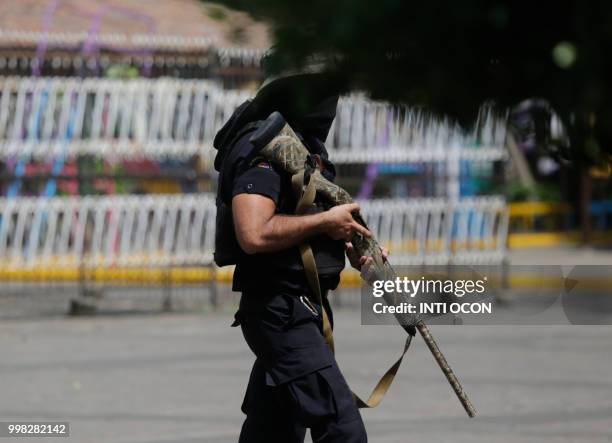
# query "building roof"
(173, 25)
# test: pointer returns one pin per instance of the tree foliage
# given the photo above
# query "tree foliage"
(451, 56)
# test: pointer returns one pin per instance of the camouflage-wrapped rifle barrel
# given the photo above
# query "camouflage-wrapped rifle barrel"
(285, 149)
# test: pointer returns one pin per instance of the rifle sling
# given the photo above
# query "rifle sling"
(305, 194)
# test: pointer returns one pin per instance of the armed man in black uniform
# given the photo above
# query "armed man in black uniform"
(295, 382)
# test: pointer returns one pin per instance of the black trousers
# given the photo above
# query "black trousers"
(295, 382)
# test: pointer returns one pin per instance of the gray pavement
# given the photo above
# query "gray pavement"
(179, 378)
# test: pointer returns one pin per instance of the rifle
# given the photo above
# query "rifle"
(278, 143)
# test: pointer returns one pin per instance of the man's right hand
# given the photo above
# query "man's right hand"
(339, 223)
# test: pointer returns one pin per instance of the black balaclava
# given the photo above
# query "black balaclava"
(306, 101)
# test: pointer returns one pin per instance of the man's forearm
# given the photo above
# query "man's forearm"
(284, 231)
(259, 229)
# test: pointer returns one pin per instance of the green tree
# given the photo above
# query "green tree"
(451, 56)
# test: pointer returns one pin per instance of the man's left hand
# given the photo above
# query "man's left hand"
(358, 262)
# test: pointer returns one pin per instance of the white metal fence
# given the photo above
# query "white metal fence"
(370, 131)
(439, 231)
(107, 231)
(178, 230)
(44, 117)
(57, 116)
(47, 117)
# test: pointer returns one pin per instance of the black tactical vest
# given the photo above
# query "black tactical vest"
(234, 151)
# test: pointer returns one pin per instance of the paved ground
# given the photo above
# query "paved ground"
(179, 378)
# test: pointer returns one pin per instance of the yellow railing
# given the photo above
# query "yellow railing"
(544, 224)
(523, 215)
